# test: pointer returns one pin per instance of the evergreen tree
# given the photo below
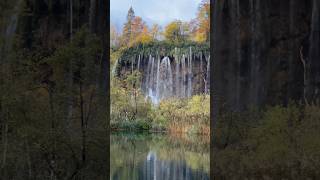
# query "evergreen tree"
(128, 27)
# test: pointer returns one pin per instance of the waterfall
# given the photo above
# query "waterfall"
(160, 87)
(158, 76)
(189, 89)
(208, 76)
(204, 76)
(114, 67)
(166, 77)
(151, 75)
(132, 63)
(138, 68)
(165, 81)
(146, 84)
(183, 74)
(177, 84)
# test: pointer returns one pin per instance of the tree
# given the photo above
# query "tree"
(145, 36)
(155, 31)
(139, 32)
(128, 27)
(135, 30)
(203, 18)
(137, 26)
(114, 37)
(174, 32)
(134, 82)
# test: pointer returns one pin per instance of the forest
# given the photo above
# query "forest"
(54, 89)
(266, 89)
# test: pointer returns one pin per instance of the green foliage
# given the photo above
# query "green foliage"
(129, 110)
(161, 48)
(35, 94)
(281, 142)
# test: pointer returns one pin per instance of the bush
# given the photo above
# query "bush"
(283, 142)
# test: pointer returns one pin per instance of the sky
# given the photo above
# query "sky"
(153, 11)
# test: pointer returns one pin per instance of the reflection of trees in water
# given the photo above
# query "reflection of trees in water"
(158, 156)
(154, 169)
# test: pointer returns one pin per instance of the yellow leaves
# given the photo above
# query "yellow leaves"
(203, 21)
(172, 31)
(200, 37)
(139, 32)
(144, 37)
(199, 104)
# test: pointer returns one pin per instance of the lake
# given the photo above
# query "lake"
(154, 156)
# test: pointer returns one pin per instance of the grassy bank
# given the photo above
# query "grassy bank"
(172, 116)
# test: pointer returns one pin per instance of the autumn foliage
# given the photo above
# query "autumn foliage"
(135, 30)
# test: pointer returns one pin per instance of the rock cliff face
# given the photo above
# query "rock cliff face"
(177, 72)
(266, 52)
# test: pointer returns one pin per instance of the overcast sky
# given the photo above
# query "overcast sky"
(153, 11)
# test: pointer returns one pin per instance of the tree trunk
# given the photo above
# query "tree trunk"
(314, 56)
(83, 124)
(28, 154)
(4, 145)
(53, 147)
(70, 75)
(93, 15)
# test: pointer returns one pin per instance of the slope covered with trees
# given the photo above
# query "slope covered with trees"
(266, 89)
(53, 89)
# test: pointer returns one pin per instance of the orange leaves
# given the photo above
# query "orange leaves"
(140, 32)
(137, 26)
(203, 22)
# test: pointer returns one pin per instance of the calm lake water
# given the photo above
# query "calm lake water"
(148, 156)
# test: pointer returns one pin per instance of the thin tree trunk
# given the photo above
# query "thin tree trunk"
(83, 126)
(28, 159)
(53, 155)
(4, 143)
(135, 100)
(71, 19)
(304, 76)
(70, 75)
(92, 15)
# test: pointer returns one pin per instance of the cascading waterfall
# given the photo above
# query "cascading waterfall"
(164, 79)
(158, 78)
(183, 74)
(132, 63)
(114, 67)
(138, 68)
(190, 74)
(177, 81)
(172, 76)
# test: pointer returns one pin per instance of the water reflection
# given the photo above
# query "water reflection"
(159, 157)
